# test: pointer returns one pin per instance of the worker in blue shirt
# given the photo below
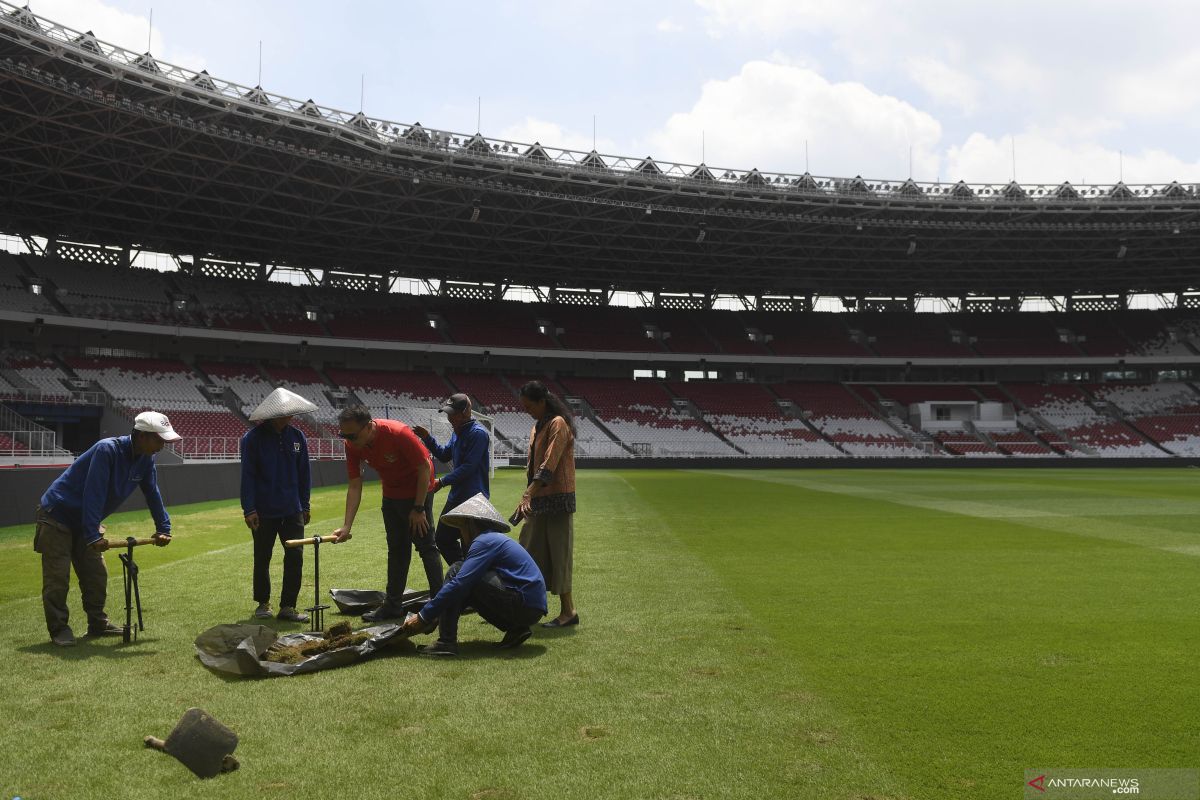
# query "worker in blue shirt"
(68, 518)
(468, 450)
(276, 483)
(498, 578)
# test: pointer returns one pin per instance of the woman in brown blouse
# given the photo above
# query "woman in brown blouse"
(548, 504)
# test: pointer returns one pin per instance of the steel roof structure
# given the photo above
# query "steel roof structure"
(100, 144)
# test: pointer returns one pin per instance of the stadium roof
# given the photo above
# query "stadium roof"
(101, 144)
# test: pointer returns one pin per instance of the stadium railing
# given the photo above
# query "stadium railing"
(29, 443)
(228, 448)
(38, 396)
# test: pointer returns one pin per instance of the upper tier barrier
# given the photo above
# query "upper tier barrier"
(20, 24)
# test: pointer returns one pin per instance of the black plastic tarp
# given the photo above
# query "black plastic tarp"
(238, 649)
(360, 601)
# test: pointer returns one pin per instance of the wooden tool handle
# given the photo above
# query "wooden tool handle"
(117, 544)
(312, 540)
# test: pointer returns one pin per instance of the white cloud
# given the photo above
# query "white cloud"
(777, 18)
(1015, 73)
(762, 116)
(1163, 89)
(944, 84)
(109, 24)
(117, 27)
(668, 25)
(551, 134)
(982, 159)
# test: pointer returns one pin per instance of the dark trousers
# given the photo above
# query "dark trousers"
(61, 550)
(400, 543)
(270, 529)
(449, 541)
(502, 606)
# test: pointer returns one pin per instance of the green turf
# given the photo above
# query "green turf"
(824, 634)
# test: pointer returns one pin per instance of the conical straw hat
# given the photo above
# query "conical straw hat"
(282, 403)
(479, 509)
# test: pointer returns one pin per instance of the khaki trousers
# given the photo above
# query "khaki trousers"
(60, 551)
(550, 541)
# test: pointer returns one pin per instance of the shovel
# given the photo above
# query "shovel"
(201, 744)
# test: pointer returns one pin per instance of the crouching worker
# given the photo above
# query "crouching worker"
(69, 515)
(497, 578)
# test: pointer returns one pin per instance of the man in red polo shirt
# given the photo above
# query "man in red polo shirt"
(406, 471)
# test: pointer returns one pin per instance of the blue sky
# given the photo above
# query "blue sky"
(1077, 87)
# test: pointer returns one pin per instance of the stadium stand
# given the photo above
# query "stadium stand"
(245, 380)
(411, 397)
(490, 392)
(1021, 443)
(378, 317)
(1014, 335)
(15, 293)
(1066, 411)
(510, 419)
(493, 396)
(909, 335)
(824, 379)
(618, 329)
(40, 374)
(208, 430)
(793, 334)
(1166, 413)
(92, 290)
(748, 416)
(960, 442)
(908, 394)
(843, 418)
(12, 447)
(683, 331)
(142, 384)
(699, 331)
(494, 324)
(1099, 333)
(644, 416)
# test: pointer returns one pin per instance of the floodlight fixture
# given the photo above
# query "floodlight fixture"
(475, 212)
(1122, 250)
(912, 245)
(702, 233)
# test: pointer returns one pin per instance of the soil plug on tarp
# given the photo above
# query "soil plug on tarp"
(200, 743)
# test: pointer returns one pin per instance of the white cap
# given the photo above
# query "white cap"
(154, 422)
(282, 403)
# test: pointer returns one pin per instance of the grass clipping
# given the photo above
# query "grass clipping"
(332, 638)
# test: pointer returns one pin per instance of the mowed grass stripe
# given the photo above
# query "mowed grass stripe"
(965, 649)
(1048, 506)
(667, 689)
(806, 751)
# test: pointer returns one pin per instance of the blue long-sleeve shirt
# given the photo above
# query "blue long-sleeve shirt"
(98, 482)
(468, 451)
(276, 481)
(492, 551)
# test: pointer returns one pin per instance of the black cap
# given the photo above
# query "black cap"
(457, 403)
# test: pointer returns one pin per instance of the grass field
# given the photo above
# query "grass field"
(757, 634)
